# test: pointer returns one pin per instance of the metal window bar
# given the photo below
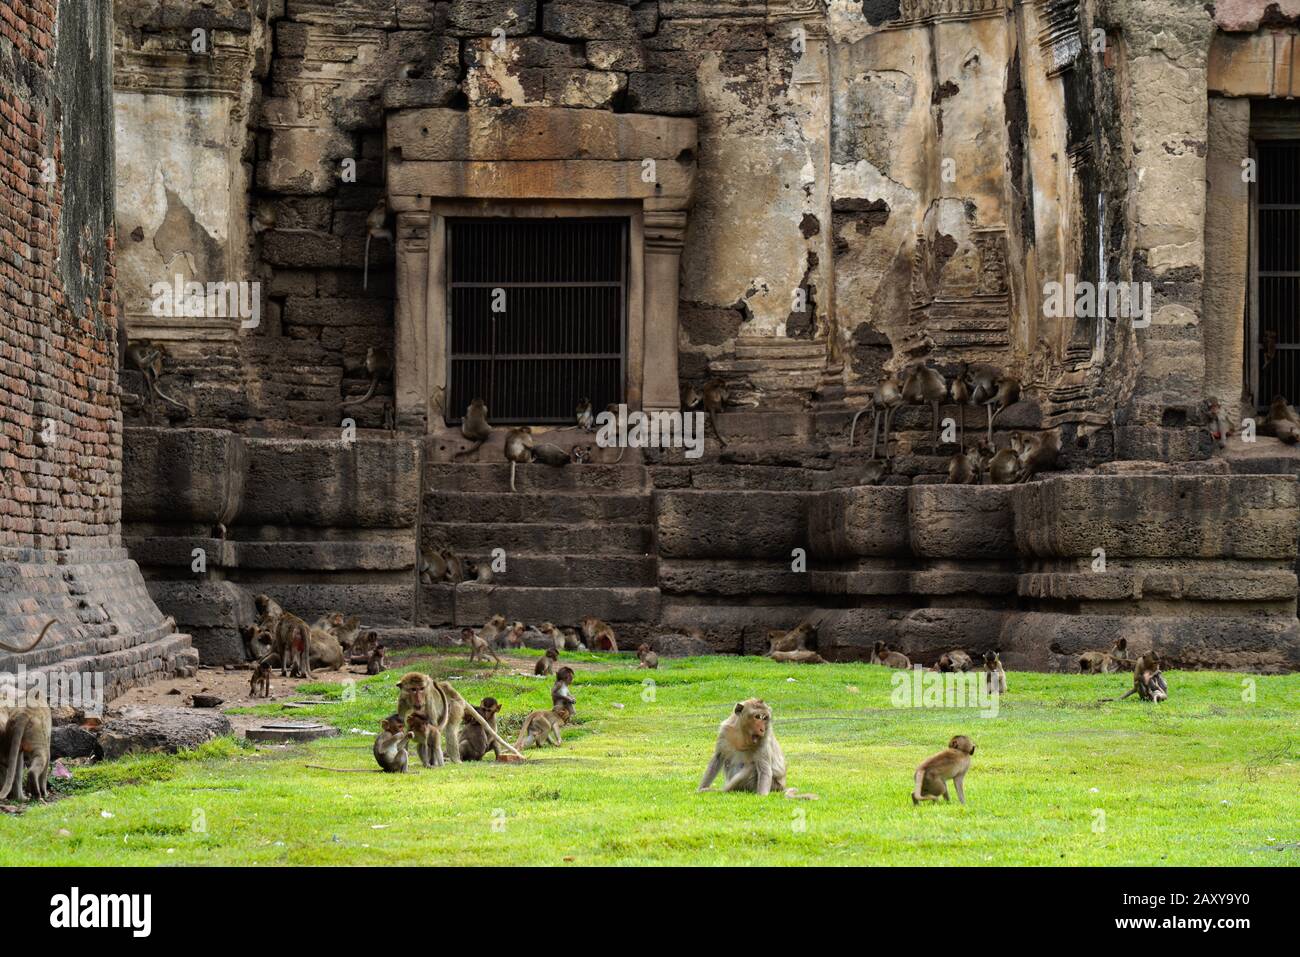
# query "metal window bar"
(562, 334)
(1277, 270)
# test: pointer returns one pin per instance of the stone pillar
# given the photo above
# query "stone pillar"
(412, 339)
(665, 230)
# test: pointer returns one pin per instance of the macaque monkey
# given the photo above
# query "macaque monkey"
(455, 566)
(560, 693)
(1282, 422)
(259, 686)
(518, 448)
(365, 645)
(933, 773)
(379, 366)
(431, 709)
(376, 228)
(25, 747)
(549, 454)
(874, 472)
(553, 633)
(648, 658)
(1220, 428)
(801, 657)
(376, 665)
(291, 642)
(390, 418)
(1148, 683)
(990, 388)
(39, 638)
(954, 661)
(572, 640)
(1038, 453)
(748, 755)
(581, 454)
(325, 651)
(712, 396)
(598, 635)
(147, 359)
(267, 608)
(479, 648)
(960, 391)
(475, 426)
(583, 415)
(543, 727)
(796, 639)
(391, 745)
(886, 398)
(995, 679)
(1105, 662)
(1003, 466)
(963, 469)
(546, 664)
(925, 385)
(493, 629)
(881, 655)
(481, 572)
(475, 742)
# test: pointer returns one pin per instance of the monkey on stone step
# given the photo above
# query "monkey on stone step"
(931, 781)
(748, 754)
(712, 396)
(1282, 422)
(963, 469)
(1038, 453)
(518, 448)
(475, 426)
(376, 228)
(1220, 428)
(796, 639)
(379, 366)
(147, 359)
(553, 455)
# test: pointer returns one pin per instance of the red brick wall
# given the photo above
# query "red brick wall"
(57, 356)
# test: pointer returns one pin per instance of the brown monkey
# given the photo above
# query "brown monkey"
(431, 709)
(147, 359)
(1105, 662)
(560, 693)
(1220, 428)
(796, 639)
(925, 385)
(326, 652)
(268, 609)
(933, 773)
(804, 657)
(598, 635)
(25, 747)
(541, 728)
(546, 664)
(365, 645)
(881, 655)
(963, 469)
(549, 454)
(259, 686)
(455, 566)
(748, 754)
(433, 567)
(1282, 421)
(583, 415)
(954, 661)
(991, 388)
(995, 679)
(291, 641)
(1002, 466)
(518, 448)
(493, 629)
(475, 742)
(1039, 453)
(39, 638)
(376, 228)
(376, 665)
(714, 399)
(475, 426)
(481, 572)
(886, 398)
(572, 640)
(391, 745)
(379, 366)
(648, 658)
(514, 637)
(1148, 683)
(478, 648)
(553, 633)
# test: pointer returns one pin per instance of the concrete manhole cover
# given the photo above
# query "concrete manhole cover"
(286, 731)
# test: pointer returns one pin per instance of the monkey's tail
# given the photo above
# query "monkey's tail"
(365, 272)
(166, 398)
(513, 463)
(916, 789)
(795, 794)
(16, 730)
(713, 417)
(374, 382)
(321, 767)
(39, 639)
(469, 451)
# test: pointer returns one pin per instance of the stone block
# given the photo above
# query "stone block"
(182, 475)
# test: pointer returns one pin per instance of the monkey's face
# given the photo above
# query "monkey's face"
(754, 719)
(497, 621)
(391, 725)
(879, 648)
(413, 689)
(489, 708)
(564, 675)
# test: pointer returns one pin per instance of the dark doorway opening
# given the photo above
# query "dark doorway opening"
(537, 316)
(1275, 270)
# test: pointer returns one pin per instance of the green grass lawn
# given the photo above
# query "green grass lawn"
(1057, 778)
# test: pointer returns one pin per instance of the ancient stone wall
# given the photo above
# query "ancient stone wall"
(60, 422)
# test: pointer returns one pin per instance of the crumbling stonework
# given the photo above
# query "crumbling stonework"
(61, 555)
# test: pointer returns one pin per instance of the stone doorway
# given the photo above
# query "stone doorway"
(536, 315)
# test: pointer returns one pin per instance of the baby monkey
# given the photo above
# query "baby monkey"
(933, 773)
(546, 664)
(259, 686)
(391, 745)
(543, 727)
(648, 658)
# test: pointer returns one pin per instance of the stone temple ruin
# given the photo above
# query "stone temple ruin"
(532, 201)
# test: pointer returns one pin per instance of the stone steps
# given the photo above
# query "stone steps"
(480, 538)
(535, 477)
(530, 507)
(565, 606)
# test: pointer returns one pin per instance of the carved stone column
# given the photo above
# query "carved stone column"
(412, 338)
(665, 230)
